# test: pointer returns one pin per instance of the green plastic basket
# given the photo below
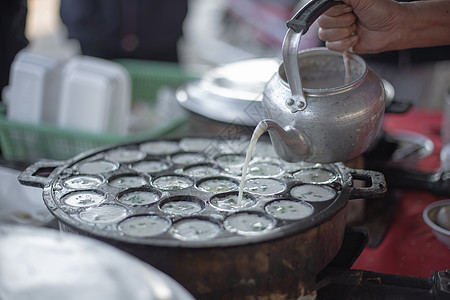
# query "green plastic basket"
(148, 77)
(27, 142)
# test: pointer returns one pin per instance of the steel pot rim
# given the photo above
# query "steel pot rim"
(311, 52)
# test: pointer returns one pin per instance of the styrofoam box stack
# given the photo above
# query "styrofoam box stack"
(84, 93)
(95, 96)
(32, 95)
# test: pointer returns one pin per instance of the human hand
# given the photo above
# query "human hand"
(366, 25)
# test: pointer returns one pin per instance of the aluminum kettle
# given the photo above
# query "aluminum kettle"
(313, 115)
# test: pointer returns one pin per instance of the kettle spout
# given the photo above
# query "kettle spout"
(289, 143)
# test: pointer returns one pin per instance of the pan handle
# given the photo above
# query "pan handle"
(40, 173)
(398, 107)
(437, 183)
(375, 184)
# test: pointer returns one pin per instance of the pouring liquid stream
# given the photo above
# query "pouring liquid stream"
(262, 127)
(259, 130)
(346, 59)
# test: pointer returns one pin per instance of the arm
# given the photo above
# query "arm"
(383, 25)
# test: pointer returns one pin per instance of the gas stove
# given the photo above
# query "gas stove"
(339, 281)
(413, 182)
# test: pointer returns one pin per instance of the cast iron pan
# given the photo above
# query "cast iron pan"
(92, 193)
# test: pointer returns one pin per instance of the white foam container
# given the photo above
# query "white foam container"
(95, 96)
(33, 91)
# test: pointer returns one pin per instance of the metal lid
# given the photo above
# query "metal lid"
(231, 93)
(38, 263)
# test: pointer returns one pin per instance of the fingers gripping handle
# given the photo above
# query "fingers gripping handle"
(303, 19)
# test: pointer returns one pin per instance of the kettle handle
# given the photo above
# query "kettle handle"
(297, 26)
(308, 13)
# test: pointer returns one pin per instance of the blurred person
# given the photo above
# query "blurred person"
(13, 14)
(140, 29)
(403, 41)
